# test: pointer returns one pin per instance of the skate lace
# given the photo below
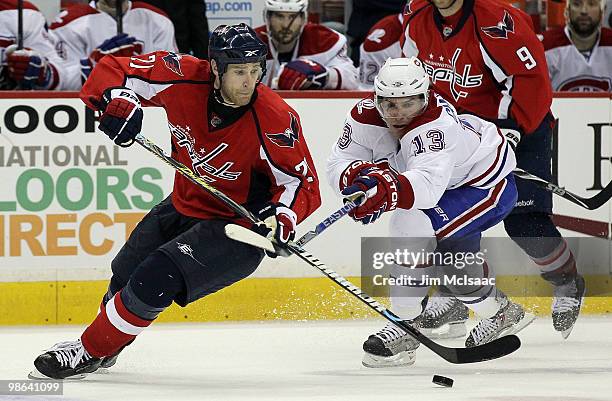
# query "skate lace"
(562, 302)
(484, 328)
(439, 306)
(70, 353)
(390, 333)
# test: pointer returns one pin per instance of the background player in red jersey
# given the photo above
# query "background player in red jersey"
(233, 132)
(484, 57)
(303, 55)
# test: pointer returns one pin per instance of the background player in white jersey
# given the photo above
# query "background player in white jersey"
(302, 55)
(579, 55)
(381, 43)
(36, 66)
(84, 33)
(447, 178)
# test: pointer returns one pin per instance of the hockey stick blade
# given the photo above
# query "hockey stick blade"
(495, 349)
(591, 203)
(243, 234)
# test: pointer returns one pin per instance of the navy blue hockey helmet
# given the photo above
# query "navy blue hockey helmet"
(236, 44)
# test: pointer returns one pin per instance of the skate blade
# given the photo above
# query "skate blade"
(404, 358)
(566, 333)
(446, 331)
(36, 375)
(524, 322)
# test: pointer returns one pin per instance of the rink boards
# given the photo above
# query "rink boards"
(70, 198)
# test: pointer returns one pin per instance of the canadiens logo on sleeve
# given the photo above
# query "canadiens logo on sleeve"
(173, 63)
(345, 139)
(500, 31)
(287, 138)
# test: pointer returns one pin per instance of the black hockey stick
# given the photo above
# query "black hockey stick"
(495, 349)
(591, 203)
(19, 24)
(119, 16)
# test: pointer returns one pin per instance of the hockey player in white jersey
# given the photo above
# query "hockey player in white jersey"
(446, 178)
(579, 55)
(381, 43)
(36, 65)
(302, 55)
(84, 33)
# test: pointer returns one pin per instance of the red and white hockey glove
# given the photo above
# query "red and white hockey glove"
(121, 116)
(30, 69)
(278, 223)
(302, 74)
(385, 191)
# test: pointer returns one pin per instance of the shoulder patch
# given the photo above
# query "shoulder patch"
(289, 136)
(172, 61)
(501, 29)
(6, 5)
(606, 37)
(383, 34)
(72, 13)
(364, 112)
(555, 38)
(142, 4)
(317, 39)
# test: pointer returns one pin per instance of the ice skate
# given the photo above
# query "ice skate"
(444, 317)
(566, 305)
(65, 360)
(389, 347)
(510, 319)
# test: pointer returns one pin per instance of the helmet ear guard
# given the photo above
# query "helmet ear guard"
(236, 44)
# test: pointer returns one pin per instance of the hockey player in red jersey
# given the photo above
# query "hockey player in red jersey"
(579, 55)
(36, 65)
(302, 55)
(484, 57)
(235, 133)
(84, 33)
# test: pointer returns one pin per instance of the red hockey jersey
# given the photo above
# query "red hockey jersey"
(486, 59)
(261, 157)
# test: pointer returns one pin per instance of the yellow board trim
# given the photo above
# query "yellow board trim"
(76, 302)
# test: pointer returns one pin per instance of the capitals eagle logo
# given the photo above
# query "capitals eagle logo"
(173, 63)
(500, 31)
(287, 138)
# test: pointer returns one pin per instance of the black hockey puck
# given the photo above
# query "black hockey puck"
(443, 381)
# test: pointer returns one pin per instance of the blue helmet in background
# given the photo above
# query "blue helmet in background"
(236, 44)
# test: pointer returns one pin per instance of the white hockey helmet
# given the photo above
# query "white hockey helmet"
(287, 6)
(401, 78)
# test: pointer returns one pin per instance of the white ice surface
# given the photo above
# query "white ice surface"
(321, 361)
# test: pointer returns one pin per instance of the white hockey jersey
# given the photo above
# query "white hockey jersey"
(320, 44)
(35, 35)
(442, 150)
(81, 28)
(570, 71)
(382, 43)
